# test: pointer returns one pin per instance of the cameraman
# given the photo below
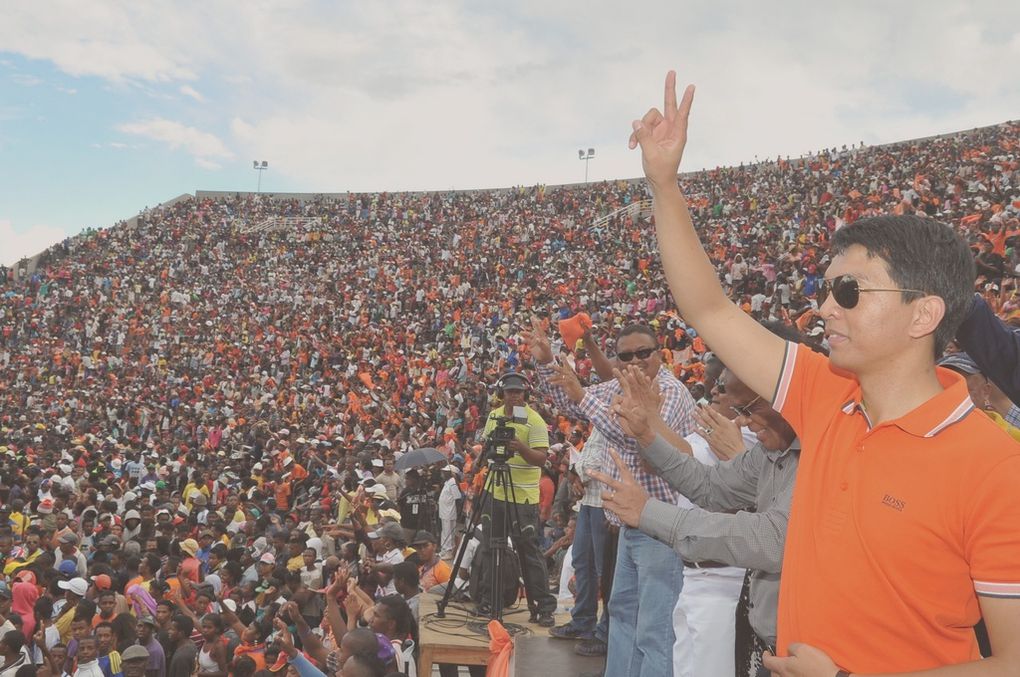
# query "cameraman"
(528, 452)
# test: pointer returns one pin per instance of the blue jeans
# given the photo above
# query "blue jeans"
(646, 585)
(588, 555)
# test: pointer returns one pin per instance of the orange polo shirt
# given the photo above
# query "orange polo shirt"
(894, 531)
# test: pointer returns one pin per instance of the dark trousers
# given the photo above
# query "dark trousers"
(748, 646)
(533, 569)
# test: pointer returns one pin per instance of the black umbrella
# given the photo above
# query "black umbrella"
(418, 458)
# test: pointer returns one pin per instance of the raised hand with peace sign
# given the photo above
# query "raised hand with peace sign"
(663, 135)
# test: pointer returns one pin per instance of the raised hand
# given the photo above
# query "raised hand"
(722, 434)
(645, 391)
(538, 342)
(283, 637)
(339, 583)
(632, 415)
(663, 135)
(625, 497)
(566, 378)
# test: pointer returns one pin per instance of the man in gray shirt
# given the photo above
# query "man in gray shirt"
(761, 479)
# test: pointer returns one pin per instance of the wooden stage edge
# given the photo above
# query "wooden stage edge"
(450, 640)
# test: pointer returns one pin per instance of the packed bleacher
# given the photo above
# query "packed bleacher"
(225, 391)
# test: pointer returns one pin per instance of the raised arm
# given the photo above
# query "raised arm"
(753, 353)
(603, 365)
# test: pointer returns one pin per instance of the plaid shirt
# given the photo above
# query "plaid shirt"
(1013, 416)
(677, 410)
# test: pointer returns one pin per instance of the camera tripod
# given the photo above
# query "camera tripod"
(497, 530)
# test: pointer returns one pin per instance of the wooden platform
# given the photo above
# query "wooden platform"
(451, 640)
(543, 655)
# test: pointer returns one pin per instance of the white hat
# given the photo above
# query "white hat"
(378, 490)
(451, 468)
(79, 586)
(257, 466)
(377, 462)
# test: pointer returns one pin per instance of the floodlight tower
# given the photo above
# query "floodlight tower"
(259, 166)
(586, 156)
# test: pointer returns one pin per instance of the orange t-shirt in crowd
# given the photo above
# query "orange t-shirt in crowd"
(282, 494)
(896, 531)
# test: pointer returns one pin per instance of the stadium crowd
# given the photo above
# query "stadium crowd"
(201, 420)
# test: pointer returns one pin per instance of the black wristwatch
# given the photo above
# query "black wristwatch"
(842, 673)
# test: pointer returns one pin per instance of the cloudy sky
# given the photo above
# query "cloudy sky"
(107, 107)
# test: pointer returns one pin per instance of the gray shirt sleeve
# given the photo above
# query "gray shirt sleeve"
(744, 539)
(727, 486)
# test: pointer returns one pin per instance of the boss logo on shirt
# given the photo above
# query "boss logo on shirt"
(893, 502)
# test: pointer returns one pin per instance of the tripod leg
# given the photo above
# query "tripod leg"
(528, 550)
(452, 584)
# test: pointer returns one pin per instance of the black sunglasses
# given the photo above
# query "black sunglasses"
(745, 410)
(847, 291)
(642, 354)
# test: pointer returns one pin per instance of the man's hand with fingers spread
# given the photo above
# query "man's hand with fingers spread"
(566, 378)
(638, 406)
(537, 342)
(625, 497)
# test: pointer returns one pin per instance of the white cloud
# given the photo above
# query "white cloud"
(190, 91)
(70, 91)
(207, 164)
(204, 147)
(449, 94)
(26, 242)
(26, 80)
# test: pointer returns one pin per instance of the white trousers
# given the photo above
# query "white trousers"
(566, 573)
(446, 542)
(703, 620)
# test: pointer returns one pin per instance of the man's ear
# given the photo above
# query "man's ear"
(928, 313)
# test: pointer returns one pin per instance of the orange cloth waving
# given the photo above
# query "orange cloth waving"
(572, 329)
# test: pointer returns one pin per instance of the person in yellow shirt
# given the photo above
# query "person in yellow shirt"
(74, 592)
(295, 551)
(193, 488)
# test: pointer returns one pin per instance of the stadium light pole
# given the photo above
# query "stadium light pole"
(259, 167)
(586, 156)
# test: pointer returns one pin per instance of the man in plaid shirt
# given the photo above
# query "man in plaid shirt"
(649, 574)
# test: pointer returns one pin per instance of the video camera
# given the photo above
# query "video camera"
(497, 444)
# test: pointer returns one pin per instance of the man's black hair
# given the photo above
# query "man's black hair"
(184, 624)
(14, 639)
(406, 572)
(638, 328)
(919, 253)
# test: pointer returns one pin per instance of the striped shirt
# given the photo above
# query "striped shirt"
(593, 457)
(524, 476)
(677, 409)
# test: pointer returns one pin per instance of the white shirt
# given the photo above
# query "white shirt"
(448, 498)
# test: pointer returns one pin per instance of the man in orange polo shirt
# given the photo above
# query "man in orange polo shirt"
(905, 523)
